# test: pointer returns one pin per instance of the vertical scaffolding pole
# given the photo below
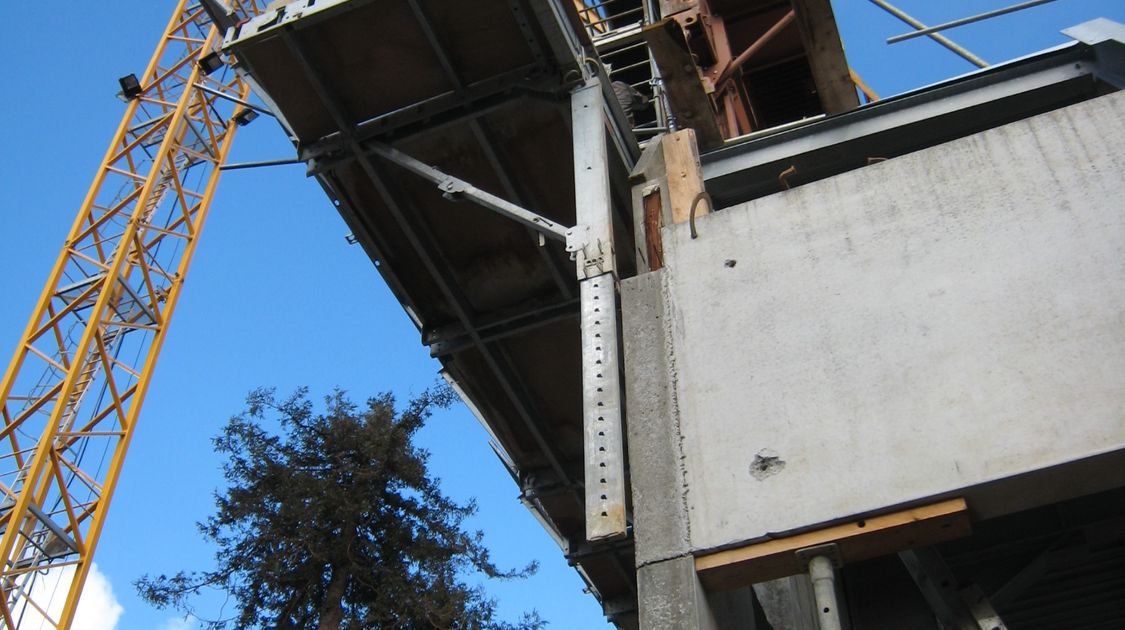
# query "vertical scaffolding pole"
(823, 576)
(594, 257)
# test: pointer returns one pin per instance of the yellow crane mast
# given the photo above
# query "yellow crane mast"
(72, 393)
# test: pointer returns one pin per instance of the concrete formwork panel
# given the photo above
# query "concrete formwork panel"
(947, 320)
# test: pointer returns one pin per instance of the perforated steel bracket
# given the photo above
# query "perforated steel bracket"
(601, 398)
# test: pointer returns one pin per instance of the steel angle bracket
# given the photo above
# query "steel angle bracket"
(590, 244)
(591, 252)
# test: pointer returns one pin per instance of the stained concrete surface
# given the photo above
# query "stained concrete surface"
(669, 595)
(660, 523)
(909, 330)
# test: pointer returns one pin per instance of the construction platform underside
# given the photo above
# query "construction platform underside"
(398, 106)
(482, 92)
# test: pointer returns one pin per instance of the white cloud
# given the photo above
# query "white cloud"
(182, 623)
(98, 609)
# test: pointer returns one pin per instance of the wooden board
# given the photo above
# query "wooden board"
(689, 101)
(858, 540)
(685, 179)
(826, 55)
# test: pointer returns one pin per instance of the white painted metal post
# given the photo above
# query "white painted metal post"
(823, 576)
(601, 382)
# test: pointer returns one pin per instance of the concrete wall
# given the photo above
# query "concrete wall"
(943, 321)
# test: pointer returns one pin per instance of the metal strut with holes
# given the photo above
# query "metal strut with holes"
(590, 244)
(72, 393)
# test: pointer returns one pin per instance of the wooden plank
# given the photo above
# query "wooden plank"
(654, 246)
(668, 7)
(685, 178)
(650, 205)
(686, 94)
(863, 87)
(826, 55)
(858, 540)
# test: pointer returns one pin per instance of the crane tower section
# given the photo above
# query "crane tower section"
(72, 393)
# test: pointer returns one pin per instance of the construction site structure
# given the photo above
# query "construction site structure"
(765, 353)
(73, 391)
(849, 334)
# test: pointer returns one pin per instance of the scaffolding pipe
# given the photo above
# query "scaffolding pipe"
(758, 44)
(941, 39)
(824, 590)
(966, 20)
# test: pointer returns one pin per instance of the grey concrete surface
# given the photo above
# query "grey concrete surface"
(660, 523)
(942, 320)
(669, 596)
(788, 603)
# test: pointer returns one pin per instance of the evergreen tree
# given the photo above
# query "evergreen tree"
(333, 523)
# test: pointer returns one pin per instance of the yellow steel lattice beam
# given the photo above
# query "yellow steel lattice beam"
(73, 390)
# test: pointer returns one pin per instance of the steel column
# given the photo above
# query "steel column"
(823, 576)
(601, 380)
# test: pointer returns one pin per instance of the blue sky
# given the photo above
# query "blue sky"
(277, 297)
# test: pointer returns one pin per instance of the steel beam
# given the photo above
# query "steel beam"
(455, 188)
(472, 99)
(578, 551)
(454, 338)
(901, 124)
(1106, 39)
(349, 144)
(515, 193)
(943, 593)
(488, 145)
(540, 483)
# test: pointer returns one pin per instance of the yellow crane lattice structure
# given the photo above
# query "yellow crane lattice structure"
(72, 393)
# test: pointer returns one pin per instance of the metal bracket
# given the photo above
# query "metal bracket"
(1096, 31)
(1107, 39)
(830, 551)
(576, 239)
(590, 244)
(590, 256)
(456, 189)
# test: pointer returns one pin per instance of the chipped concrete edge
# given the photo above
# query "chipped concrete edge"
(660, 510)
